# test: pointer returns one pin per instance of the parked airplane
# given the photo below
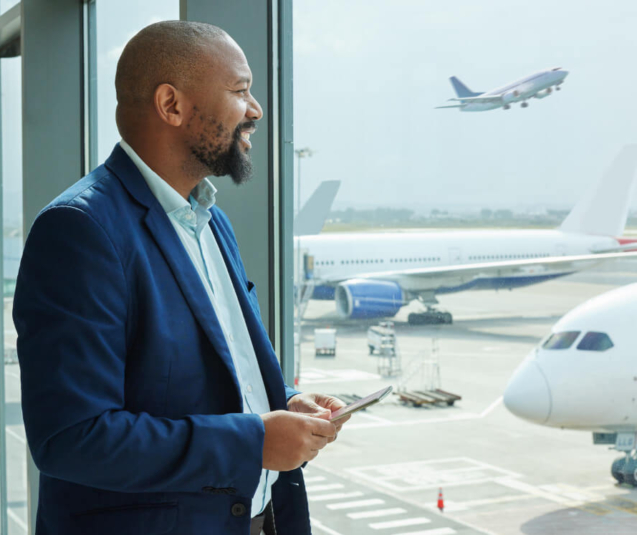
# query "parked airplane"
(537, 85)
(584, 376)
(373, 275)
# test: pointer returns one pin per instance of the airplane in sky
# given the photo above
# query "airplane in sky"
(373, 275)
(537, 85)
(583, 376)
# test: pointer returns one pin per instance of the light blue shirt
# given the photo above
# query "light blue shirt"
(190, 221)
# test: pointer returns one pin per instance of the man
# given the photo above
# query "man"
(153, 401)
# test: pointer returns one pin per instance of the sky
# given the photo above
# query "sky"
(368, 74)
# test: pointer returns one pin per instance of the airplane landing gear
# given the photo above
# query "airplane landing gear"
(506, 107)
(525, 104)
(624, 469)
(430, 317)
(558, 88)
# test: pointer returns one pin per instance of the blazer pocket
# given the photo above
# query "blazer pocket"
(134, 519)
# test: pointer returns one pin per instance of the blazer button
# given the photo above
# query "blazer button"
(238, 509)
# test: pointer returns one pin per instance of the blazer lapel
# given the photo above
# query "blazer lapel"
(175, 255)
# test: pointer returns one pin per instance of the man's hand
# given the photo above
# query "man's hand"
(292, 439)
(319, 406)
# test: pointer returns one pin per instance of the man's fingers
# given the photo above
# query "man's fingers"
(318, 442)
(323, 428)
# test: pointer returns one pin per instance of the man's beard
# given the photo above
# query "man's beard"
(232, 161)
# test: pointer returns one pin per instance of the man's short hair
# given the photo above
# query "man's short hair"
(165, 52)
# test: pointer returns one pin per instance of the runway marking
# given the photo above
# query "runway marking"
(17, 520)
(491, 407)
(314, 479)
(336, 496)
(373, 418)
(436, 531)
(455, 418)
(321, 488)
(400, 523)
(351, 505)
(317, 524)
(422, 475)
(380, 512)
(317, 375)
(15, 435)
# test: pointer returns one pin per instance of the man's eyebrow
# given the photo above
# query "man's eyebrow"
(243, 80)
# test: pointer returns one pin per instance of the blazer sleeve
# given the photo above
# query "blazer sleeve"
(70, 311)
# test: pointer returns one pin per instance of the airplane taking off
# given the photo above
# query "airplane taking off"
(373, 275)
(584, 376)
(537, 85)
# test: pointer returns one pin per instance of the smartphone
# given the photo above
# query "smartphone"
(361, 404)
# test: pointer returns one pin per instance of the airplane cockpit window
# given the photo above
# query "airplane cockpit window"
(593, 341)
(562, 340)
(556, 69)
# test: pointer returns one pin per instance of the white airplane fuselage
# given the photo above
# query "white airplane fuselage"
(538, 85)
(341, 256)
(585, 385)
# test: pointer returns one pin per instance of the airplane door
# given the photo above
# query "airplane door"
(455, 255)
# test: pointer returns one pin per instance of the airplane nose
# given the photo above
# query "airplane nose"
(527, 395)
(565, 74)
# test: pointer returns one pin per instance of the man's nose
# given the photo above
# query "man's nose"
(254, 112)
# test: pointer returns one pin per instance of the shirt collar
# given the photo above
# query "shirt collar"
(169, 199)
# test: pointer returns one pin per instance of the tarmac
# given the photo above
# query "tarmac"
(498, 474)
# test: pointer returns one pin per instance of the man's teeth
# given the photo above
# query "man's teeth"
(245, 135)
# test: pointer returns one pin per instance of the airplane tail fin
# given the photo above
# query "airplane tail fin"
(603, 210)
(461, 89)
(311, 218)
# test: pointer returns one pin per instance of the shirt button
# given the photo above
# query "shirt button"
(249, 389)
(238, 509)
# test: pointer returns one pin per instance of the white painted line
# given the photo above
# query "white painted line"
(15, 435)
(17, 520)
(491, 407)
(373, 418)
(317, 524)
(535, 491)
(377, 513)
(314, 479)
(321, 488)
(337, 496)
(359, 503)
(437, 531)
(400, 523)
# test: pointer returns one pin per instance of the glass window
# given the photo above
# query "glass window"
(593, 341)
(16, 450)
(381, 99)
(562, 340)
(117, 22)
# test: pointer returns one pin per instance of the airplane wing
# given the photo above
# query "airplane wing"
(431, 279)
(451, 106)
(480, 99)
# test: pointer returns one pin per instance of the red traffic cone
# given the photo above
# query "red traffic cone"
(441, 502)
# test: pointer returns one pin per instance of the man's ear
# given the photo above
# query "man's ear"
(168, 103)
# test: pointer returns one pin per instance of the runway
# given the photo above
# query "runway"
(499, 474)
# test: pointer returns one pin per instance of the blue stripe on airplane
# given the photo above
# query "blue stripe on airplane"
(326, 293)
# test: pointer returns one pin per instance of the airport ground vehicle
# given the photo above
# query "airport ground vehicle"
(325, 342)
(381, 339)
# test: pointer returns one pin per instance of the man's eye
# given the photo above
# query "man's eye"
(243, 91)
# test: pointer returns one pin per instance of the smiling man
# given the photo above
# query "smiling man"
(153, 400)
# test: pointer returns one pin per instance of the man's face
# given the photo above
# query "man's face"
(224, 114)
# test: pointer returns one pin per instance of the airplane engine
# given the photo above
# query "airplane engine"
(510, 96)
(543, 94)
(361, 298)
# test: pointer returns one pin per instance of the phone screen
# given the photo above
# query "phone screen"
(361, 404)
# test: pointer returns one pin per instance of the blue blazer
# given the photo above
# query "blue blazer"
(131, 404)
